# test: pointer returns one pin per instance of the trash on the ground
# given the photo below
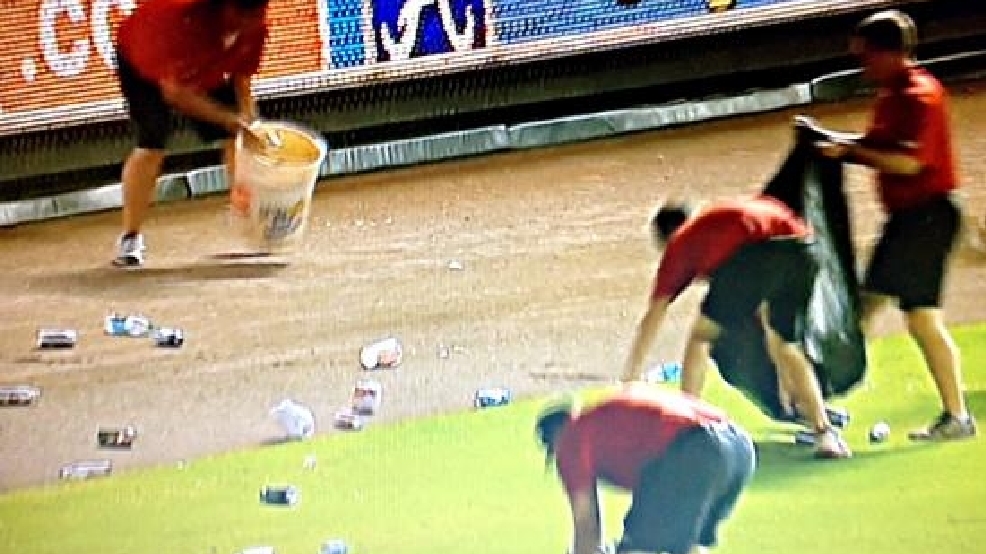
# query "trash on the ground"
(258, 550)
(86, 469)
(348, 420)
(334, 546)
(119, 325)
(383, 354)
(311, 462)
(297, 420)
(492, 397)
(444, 352)
(667, 372)
(367, 396)
(456, 265)
(57, 338)
(284, 496)
(169, 338)
(120, 438)
(17, 396)
(880, 432)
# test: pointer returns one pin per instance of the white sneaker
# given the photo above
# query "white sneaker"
(130, 251)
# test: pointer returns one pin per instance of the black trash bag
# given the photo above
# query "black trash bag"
(813, 187)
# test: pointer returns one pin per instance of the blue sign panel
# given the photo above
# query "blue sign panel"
(519, 21)
(392, 30)
(345, 29)
(404, 29)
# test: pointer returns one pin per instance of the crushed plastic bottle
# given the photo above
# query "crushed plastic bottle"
(297, 420)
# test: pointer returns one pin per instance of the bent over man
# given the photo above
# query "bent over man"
(754, 254)
(196, 57)
(682, 460)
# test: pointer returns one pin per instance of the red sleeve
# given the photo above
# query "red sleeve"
(898, 122)
(676, 271)
(249, 64)
(920, 132)
(146, 39)
(575, 461)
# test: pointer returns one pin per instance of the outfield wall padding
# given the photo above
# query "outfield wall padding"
(212, 180)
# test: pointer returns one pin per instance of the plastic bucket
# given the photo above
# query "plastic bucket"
(271, 193)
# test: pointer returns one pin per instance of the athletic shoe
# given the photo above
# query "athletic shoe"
(838, 417)
(830, 446)
(947, 427)
(130, 251)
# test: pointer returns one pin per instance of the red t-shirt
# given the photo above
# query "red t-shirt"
(183, 40)
(913, 117)
(614, 440)
(711, 237)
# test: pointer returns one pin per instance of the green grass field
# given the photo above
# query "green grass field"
(475, 483)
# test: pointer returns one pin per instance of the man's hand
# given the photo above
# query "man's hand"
(253, 137)
(833, 149)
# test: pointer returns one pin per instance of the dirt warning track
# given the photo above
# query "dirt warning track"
(529, 270)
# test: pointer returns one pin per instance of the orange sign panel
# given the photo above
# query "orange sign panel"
(60, 53)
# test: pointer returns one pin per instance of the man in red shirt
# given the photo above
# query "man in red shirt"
(196, 57)
(682, 460)
(909, 145)
(754, 254)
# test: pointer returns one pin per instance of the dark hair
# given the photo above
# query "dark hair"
(889, 31)
(668, 219)
(549, 423)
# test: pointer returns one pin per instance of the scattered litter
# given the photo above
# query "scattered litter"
(348, 420)
(491, 398)
(367, 397)
(311, 462)
(118, 325)
(258, 550)
(168, 338)
(668, 372)
(444, 352)
(57, 338)
(297, 420)
(86, 469)
(19, 396)
(456, 265)
(383, 354)
(334, 546)
(880, 432)
(122, 438)
(283, 496)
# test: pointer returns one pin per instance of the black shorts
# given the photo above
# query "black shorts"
(153, 120)
(780, 272)
(910, 260)
(684, 495)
